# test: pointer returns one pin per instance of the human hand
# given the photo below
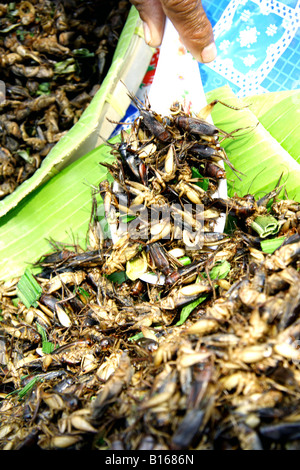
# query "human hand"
(188, 17)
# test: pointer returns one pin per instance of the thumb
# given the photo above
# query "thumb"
(193, 26)
(153, 17)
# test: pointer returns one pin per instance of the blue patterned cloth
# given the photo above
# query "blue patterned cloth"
(258, 46)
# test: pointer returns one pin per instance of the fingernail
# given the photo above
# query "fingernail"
(209, 53)
(147, 34)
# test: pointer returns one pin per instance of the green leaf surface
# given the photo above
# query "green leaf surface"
(41, 331)
(275, 109)
(187, 310)
(255, 152)
(28, 387)
(59, 210)
(220, 271)
(47, 346)
(265, 225)
(269, 246)
(28, 289)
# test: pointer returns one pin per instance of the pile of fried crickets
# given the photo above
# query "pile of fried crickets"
(53, 59)
(164, 334)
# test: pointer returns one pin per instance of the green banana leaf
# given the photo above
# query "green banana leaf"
(255, 151)
(284, 105)
(130, 62)
(60, 209)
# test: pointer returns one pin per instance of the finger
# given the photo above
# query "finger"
(153, 17)
(193, 26)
